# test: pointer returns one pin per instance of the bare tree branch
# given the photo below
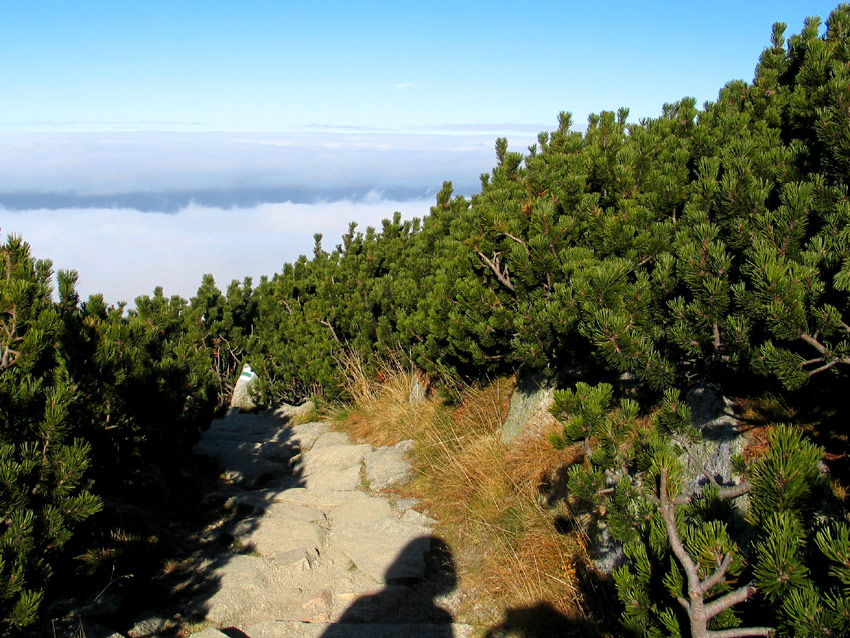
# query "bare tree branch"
(331, 328)
(732, 598)
(718, 574)
(493, 264)
(520, 242)
(700, 612)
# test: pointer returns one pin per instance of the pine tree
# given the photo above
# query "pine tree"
(694, 559)
(44, 492)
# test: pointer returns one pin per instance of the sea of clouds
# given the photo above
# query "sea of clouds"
(131, 211)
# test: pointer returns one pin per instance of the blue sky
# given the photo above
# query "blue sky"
(271, 66)
(147, 143)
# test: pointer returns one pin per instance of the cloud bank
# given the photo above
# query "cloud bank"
(130, 211)
(124, 253)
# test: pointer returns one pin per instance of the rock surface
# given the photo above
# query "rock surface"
(713, 415)
(529, 411)
(315, 551)
(386, 467)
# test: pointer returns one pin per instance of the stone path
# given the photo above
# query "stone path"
(318, 551)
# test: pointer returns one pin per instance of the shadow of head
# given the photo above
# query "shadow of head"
(422, 571)
(426, 558)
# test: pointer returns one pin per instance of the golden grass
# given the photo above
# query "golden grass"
(485, 495)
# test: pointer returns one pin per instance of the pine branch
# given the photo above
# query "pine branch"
(699, 613)
(822, 349)
(814, 343)
(668, 514)
(827, 366)
(520, 242)
(732, 598)
(331, 328)
(8, 357)
(734, 491)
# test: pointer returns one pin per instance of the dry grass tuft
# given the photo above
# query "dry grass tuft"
(380, 411)
(487, 497)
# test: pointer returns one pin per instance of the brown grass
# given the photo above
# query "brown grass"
(486, 496)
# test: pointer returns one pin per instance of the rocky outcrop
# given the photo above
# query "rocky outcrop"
(529, 411)
(712, 415)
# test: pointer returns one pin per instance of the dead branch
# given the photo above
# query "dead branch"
(494, 265)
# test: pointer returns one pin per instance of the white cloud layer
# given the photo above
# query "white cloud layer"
(124, 253)
(301, 166)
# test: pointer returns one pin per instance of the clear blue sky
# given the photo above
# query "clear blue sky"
(272, 66)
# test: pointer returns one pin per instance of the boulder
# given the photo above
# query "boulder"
(529, 411)
(296, 414)
(712, 415)
(420, 383)
(388, 466)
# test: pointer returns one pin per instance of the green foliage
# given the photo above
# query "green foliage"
(787, 479)
(95, 404)
(780, 568)
(44, 489)
(698, 245)
(707, 245)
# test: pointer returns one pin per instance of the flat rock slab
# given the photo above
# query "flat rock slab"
(322, 547)
(388, 466)
(346, 480)
(241, 464)
(295, 512)
(93, 630)
(274, 537)
(330, 439)
(325, 501)
(307, 434)
(362, 510)
(287, 629)
(334, 457)
(248, 589)
(248, 447)
(280, 449)
(150, 625)
(243, 423)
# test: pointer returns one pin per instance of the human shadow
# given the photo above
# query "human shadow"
(407, 604)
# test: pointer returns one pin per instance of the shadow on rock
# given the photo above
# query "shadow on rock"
(541, 621)
(242, 461)
(406, 601)
(257, 454)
